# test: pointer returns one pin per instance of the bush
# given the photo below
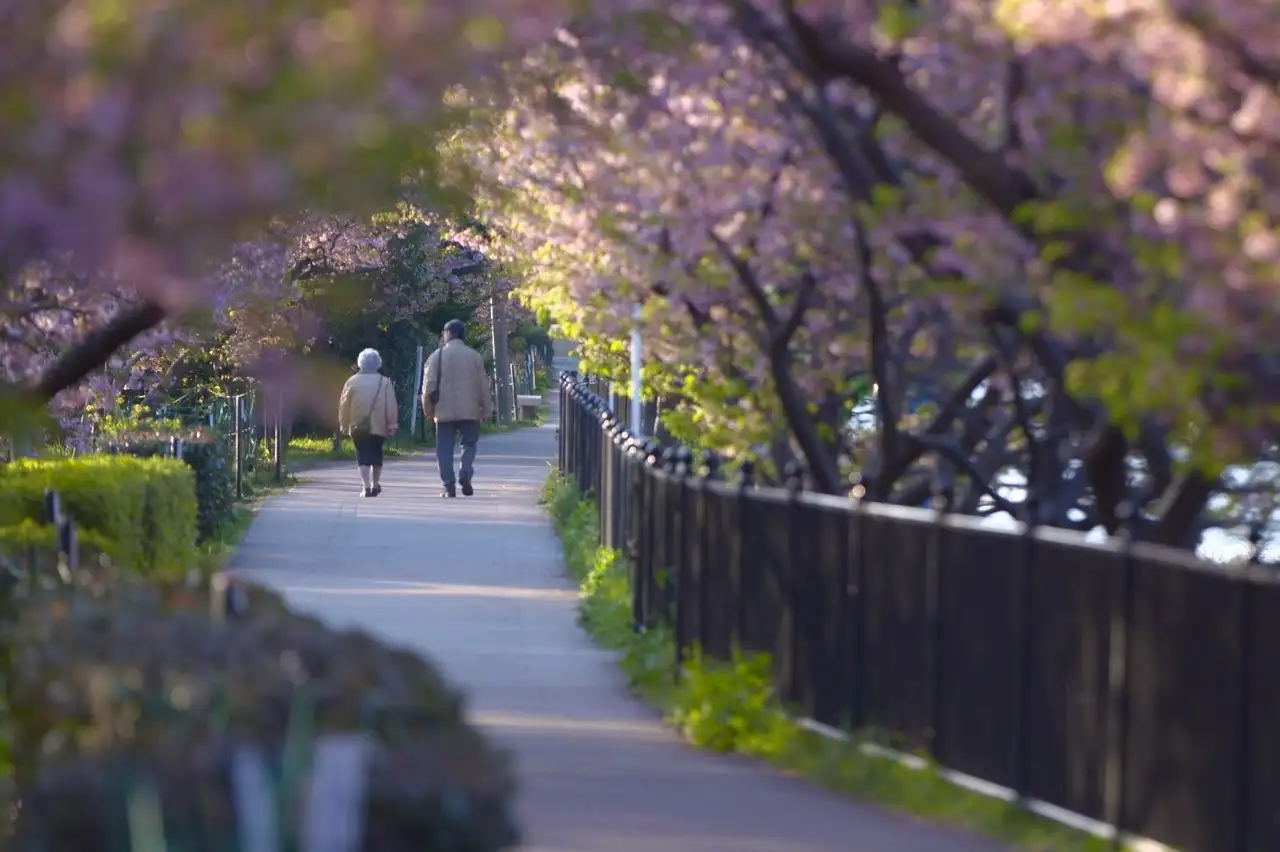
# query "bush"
(731, 706)
(210, 459)
(143, 509)
(604, 580)
(111, 681)
(423, 797)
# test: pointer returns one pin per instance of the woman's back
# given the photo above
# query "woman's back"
(370, 395)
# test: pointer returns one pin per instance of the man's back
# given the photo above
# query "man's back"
(457, 372)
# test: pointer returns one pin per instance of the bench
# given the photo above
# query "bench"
(528, 405)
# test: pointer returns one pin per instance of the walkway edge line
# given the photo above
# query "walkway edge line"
(1071, 819)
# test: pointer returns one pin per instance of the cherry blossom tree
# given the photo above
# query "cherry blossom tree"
(1132, 153)
(48, 308)
(614, 193)
(146, 140)
(1055, 226)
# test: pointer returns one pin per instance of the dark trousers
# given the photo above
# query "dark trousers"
(449, 432)
(368, 449)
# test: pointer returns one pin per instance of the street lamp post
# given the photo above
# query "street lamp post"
(637, 342)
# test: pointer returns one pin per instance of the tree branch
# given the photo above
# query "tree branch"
(1007, 352)
(779, 332)
(1003, 187)
(956, 454)
(912, 449)
(95, 350)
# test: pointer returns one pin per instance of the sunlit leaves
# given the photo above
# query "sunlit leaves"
(22, 417)
(898, 19)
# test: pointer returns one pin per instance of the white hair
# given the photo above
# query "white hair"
(369, 360)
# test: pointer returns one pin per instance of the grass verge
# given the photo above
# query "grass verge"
(730, 706)
(305, 451)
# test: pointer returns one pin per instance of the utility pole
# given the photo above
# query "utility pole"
(501, 358)
(636, 424)
(415, 402)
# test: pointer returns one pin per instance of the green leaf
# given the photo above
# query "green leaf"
(898, 21)
(23, 417)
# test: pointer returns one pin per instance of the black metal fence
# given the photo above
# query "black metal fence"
(1133, 685)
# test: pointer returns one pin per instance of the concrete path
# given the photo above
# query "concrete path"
(477, 585)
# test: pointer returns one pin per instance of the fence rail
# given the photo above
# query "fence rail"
(1130, 684)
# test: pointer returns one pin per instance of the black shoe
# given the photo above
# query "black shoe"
(467, 490)
(366, 492)
(449, 491)
(377, 489)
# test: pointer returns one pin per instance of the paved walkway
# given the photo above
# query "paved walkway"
(477, 585)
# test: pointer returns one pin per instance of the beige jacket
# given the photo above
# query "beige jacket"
(358, 401)
(463, 384)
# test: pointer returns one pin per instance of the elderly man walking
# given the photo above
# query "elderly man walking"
(455, 392)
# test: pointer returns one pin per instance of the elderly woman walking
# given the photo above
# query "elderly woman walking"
(367, 412)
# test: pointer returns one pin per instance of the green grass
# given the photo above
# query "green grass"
(218, 550)
(304, 451)
(258, 485)
(490, 428)
(731, 707)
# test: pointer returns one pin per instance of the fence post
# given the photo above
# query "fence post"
(671, 524)
(681, 468)
(579, 435)
(645, 581)
(567, 421)
(68, 547)
(790, 586)
(53, 516)
(618, 490)
(604, 503)
(560, 426)
(746, 481)
(856, 600)
(1244, 712)
(590, 437)
(237, 427)
(1118, 695)
(707, 541)
(933, 622)
(635, 529)
(596, 449)
(1023, 625)
(278, 449)
(586, 471)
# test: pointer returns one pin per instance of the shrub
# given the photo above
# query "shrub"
(112, 681)
(604, 580)
(425, 797)
(144, 508)
(209, 458)
(731, 706)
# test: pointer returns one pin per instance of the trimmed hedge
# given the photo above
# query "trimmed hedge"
(34, 545)
(142, 511)
(210, 459)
